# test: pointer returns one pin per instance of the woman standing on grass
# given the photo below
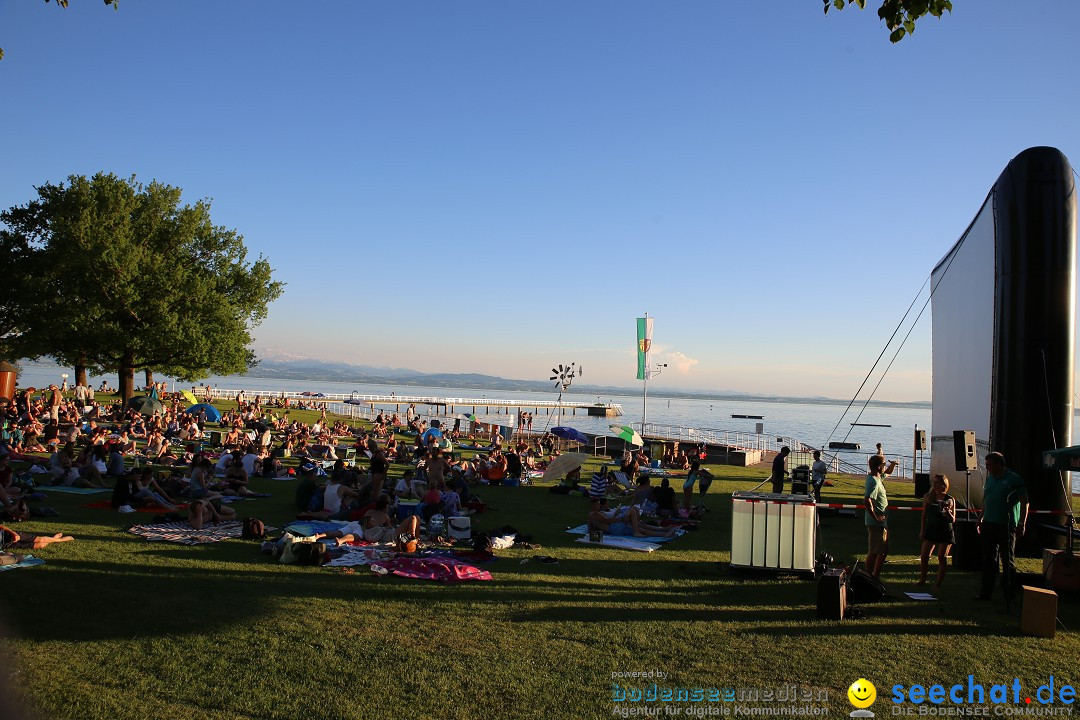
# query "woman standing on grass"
(936, 532)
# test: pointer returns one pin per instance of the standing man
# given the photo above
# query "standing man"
(1005, 511)
(818, 471)
(877, 522)
(54, 402)
(778, 471)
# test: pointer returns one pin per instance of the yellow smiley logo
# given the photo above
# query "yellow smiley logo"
(862, 693)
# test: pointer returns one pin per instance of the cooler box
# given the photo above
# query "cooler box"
(773, 531)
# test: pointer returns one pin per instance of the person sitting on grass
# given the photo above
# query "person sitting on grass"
(625, 520)
(204, 512)
(408, 487)
(28, 541)
(335, 493)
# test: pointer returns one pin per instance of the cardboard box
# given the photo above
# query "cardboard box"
(1048, 557)
(1039, 614)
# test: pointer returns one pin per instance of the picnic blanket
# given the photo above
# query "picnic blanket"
(182, 533)
(107, 505)
(25, 561)
(584, 530)
(73, 490)
(442, 569)
(623, 543)
(310, 527)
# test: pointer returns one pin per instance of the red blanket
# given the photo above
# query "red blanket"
(443, 569)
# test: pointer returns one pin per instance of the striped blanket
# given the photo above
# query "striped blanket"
(181, 532)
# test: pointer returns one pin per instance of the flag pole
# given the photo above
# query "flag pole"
(645, 390)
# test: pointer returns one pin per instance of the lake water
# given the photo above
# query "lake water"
(812, 423)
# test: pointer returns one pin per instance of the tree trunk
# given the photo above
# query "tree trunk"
(127, 378)
(149, 377)
(80, 370)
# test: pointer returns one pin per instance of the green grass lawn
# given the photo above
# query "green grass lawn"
(117, 627)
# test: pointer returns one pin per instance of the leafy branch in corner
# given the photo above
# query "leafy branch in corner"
(899, 15)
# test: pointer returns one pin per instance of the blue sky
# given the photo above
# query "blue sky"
(495, 187)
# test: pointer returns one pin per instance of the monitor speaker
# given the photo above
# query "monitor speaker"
(964, 450)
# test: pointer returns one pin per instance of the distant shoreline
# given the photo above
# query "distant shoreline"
(477, 382)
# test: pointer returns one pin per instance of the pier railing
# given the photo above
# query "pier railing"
(395, 399)
(801, 452)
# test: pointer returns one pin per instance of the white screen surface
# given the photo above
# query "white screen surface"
(963, 347)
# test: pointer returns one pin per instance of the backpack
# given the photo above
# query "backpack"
(254, 529)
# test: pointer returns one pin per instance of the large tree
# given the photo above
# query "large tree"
(899, 15)
(124, 277)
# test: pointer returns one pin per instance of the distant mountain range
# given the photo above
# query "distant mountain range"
(287, 366)
(281, 365)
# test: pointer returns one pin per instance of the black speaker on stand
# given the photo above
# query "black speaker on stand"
(967, 554)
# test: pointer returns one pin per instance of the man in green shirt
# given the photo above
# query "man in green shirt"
(1004, 516)
(876, 502)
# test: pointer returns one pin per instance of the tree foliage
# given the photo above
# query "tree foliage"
(121, 277)
(899, 15)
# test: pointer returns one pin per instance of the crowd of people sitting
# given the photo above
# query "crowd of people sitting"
(169, 458)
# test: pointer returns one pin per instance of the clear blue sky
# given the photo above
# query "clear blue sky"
(495, 187)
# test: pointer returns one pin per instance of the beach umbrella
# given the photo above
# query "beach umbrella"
(627, 433)
(212, 413)
(146, 405)
(569, 433)
(563, 465)
(186, 394)
(1062, 459)
(353, 400)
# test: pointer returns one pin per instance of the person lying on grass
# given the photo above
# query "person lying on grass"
(204, 512)
(375, 526)
(29, 541)
(625, 520)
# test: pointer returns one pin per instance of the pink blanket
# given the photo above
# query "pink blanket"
(443, 569)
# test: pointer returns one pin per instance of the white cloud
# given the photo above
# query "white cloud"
(680, 362)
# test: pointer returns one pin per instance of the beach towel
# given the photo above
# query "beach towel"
(73, 490)
(184, 534)
(431, 568)
(305, 528)
(106, 505)
(584, 530)
(622, 543)
(25, 561)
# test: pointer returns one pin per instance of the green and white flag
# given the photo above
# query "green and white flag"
(644, 344)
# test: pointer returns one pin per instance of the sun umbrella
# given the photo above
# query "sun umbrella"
(353, 400)
(186, 394)
(627, 433)
(569, 433)
(212, 413)
(1062, 459)
(563, 465)
(146, 405)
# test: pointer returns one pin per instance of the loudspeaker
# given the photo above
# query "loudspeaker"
(967, 552)
(920, 439)
(832, 595)
(865, 588)
(964, 450)
(922, 484)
